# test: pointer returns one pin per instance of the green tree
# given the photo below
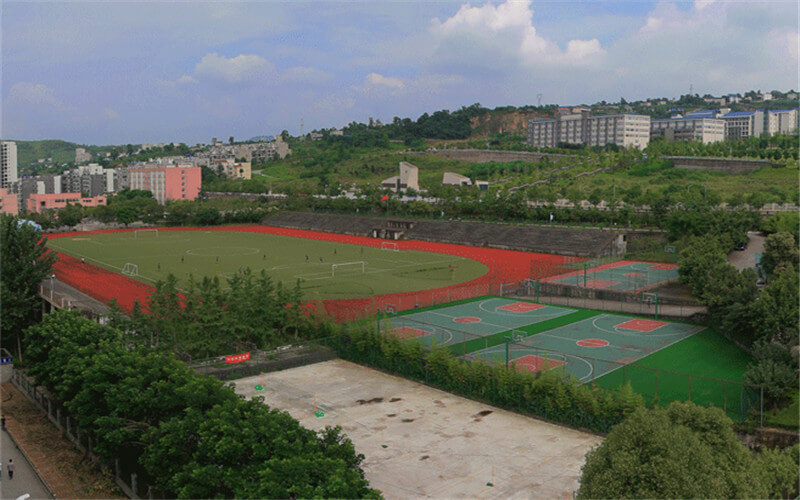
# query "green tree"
(70, 215)
(682, 451)
(780, 252)
(24, 264)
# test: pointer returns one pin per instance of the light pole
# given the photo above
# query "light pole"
(52, 278)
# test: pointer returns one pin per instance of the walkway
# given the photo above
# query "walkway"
(25, 479)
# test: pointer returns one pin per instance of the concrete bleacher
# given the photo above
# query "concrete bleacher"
(554, 240)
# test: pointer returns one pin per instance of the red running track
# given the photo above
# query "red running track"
(505, 266)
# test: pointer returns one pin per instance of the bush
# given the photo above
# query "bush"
(682, 451)
(548, 395)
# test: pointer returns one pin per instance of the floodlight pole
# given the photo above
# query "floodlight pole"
(585, 266)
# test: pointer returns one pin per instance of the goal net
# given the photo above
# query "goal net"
(139, 233)
(390, 245)
(130, 269)
(357, 267)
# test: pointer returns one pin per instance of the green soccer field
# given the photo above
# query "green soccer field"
(326, 270)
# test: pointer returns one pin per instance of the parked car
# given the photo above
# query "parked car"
(740, 246)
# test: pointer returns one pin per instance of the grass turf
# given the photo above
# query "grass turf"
(223, 253)
(706, 355)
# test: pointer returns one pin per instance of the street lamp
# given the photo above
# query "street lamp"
(52, 277)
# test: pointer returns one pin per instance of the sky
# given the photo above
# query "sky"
(145, 72)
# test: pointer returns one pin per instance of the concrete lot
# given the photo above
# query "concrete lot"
(421, 442)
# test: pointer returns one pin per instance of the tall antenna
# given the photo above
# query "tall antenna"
(302, 126)
(691, 89)
(539, 97)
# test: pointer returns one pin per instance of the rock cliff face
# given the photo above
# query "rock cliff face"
(493, 123)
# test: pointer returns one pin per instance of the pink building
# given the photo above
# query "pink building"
(9, 203)
(38, 202)
(168, 183)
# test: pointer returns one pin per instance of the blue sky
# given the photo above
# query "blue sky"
(133, 72)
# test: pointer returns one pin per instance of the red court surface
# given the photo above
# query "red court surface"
(665, 267)
(504, 266)
(521, 307)
(600, 283)
(406, 332)
(642, 325)
(592, 342)
(467, 319)
(532, 364)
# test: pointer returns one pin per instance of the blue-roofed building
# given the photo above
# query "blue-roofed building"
(780, 121)
(743, 124)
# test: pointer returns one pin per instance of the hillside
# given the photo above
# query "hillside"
(497, 122)
(28, 152)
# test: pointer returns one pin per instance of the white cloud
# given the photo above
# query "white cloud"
(242, 68)
(388, 81)
(504, 34)
(186, 79)
(28, 93)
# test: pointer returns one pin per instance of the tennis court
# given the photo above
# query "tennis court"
(623, 275)
(592, 347)
(468, 321)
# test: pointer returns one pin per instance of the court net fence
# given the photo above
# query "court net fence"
(644, 303)
(658, 386)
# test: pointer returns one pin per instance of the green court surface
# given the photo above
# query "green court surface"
(716, 367)
(664, 360)
(597, 345)
(475, 322)
(623, 276)
(325, 269)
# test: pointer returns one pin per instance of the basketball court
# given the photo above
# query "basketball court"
(590, 348)
(624, 275)
(464, 322)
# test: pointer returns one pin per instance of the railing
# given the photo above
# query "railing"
(126, 472)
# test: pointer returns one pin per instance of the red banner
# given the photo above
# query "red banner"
(237, 358)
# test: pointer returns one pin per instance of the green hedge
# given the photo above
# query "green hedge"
(548, 395)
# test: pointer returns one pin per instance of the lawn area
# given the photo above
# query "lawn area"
(785, 418)
(324, 269)
(708, 357)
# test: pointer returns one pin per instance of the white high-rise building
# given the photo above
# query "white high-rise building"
(780, 121)
(8, 163)
(622, 129)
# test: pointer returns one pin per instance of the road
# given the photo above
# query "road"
(25, 479)
(747, 258)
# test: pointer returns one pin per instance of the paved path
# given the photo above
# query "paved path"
(25, 479)
(747, 258)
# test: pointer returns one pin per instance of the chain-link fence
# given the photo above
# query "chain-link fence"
(515, 348)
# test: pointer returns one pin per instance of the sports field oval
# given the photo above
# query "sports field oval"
(324, 269)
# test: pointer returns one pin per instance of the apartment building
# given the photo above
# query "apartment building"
(780, 121)
(743, 124)
(9, 202)
(703, 127)
(37, 203)
(168, 183)
(622, 129)
(8, 163)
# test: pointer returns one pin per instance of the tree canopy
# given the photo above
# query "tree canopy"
(682, 451)
(25, 263)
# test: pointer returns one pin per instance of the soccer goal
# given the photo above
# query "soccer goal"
(130, 269)
(390, 245)
(139, 233)
(356, 267)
